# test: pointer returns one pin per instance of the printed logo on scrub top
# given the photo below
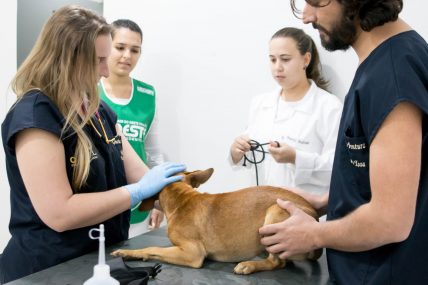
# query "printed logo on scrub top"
(133, 130)
(357, 147)
(357, 163)
(73, 159)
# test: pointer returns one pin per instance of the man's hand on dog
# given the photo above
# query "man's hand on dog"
(293, 236)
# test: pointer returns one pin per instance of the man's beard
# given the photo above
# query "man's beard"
(341, 37)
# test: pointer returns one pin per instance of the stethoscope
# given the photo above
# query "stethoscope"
(107, 140)
(255, 146)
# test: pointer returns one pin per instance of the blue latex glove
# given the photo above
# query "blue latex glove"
(153, 181)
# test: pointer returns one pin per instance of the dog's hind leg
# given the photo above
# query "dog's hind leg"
(270, 263)
(273, 215)
(189, 254)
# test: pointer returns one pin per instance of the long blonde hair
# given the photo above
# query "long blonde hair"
(63, 64)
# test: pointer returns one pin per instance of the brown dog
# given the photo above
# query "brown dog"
(222, 227)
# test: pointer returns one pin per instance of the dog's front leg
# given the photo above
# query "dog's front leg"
(191, 255)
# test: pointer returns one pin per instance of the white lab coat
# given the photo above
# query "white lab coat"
(309, 125)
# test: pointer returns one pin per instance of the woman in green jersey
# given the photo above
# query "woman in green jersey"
(134, 103)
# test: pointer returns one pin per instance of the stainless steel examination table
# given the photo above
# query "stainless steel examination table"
(77, 270)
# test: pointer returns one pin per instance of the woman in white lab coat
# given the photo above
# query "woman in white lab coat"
(299, 119)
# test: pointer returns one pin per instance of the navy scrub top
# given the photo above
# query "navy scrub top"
(33, 245)
(396, 71)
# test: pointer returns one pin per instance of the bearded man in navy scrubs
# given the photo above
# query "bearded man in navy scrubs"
(377, 215)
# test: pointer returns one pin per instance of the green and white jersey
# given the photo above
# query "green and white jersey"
(136, 115)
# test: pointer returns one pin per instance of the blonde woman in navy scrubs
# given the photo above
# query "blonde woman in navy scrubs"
(69, 166)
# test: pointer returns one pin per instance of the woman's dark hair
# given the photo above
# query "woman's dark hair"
(369, 13)
(125, 23)
(305, 44)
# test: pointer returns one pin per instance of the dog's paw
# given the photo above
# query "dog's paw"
(246, 267)
(130, 254)
(122, 253)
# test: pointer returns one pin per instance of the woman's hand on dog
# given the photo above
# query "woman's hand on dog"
(292, 236)
(154, 180)
(319, 202)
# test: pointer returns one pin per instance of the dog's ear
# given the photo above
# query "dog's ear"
(147, 204)
(198, 177)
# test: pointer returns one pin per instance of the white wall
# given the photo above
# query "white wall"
(206, 60)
